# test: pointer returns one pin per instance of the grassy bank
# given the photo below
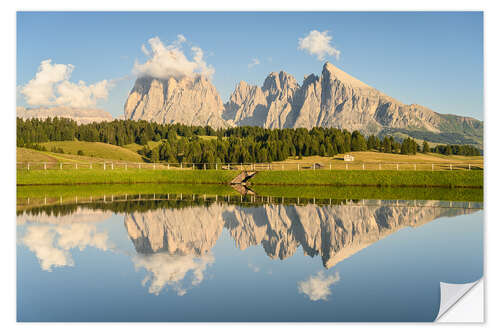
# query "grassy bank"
(471, 179)
(132, 176)
(372, 178)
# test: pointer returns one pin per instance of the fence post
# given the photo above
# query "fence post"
(215, 166)
(44, 166)
(139, 165)
(168, 166)
(432, 166)
(268, 166)
(347, 166)
(192, 166)
(104, 165)
(112, 167)
(397, 166)
(363, 166)
(29, 166)
(76, 166)
(228, 167)
(330, 166)
(314, 166)
(90, 165)
(450, 167)
(380, 166)
(469, 166)
(204, 166)
(298, 167)
(154, 166)
(126, 166)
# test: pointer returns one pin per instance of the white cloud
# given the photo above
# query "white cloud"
(166, 61)
(165, 269)
(51, 87)
(317, 287)
(254, 62)
(318, 44)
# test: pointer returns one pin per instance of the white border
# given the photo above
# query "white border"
(492, 158)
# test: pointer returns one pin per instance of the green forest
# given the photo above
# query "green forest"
(198, 144)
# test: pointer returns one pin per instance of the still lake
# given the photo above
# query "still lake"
(242, 258)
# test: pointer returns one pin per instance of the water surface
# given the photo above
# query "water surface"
(242, 258)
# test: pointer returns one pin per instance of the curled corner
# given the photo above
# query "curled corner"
(451, 293)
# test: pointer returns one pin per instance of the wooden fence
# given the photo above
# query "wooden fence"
(275, 166)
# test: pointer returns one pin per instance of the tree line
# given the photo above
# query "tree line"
(203, 144)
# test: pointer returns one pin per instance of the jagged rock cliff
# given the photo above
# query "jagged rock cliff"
(268, 106)
(187, 100)
(81, 116)
(335, 99)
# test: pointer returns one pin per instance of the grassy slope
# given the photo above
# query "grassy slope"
(136, 147)
(377, 157)
(372, 159)
(95, 149)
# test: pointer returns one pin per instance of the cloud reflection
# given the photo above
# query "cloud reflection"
(165, 269)
(52, 244)
(317, 287)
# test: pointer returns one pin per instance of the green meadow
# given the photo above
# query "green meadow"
(448, 179)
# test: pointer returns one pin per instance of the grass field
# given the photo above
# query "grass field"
(384, 161)
(95, 149)
(319, 177)
(120, 176)
(371, 178)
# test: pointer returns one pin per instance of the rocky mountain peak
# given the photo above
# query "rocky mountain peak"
(186, 100)
(332, 73)
(277, 82)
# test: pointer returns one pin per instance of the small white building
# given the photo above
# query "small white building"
(348, 158)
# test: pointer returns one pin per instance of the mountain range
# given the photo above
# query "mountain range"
(333, 99)
(81, 116)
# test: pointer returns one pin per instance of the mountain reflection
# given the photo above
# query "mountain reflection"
(173, 244)
(333, 232)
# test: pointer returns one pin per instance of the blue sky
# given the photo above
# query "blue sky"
(432, 59)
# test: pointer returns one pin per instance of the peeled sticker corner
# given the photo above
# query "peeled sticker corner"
(451, 293)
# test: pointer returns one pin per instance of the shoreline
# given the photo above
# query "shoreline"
(386, 179)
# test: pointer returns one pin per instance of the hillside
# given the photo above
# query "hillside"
(92, 152)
